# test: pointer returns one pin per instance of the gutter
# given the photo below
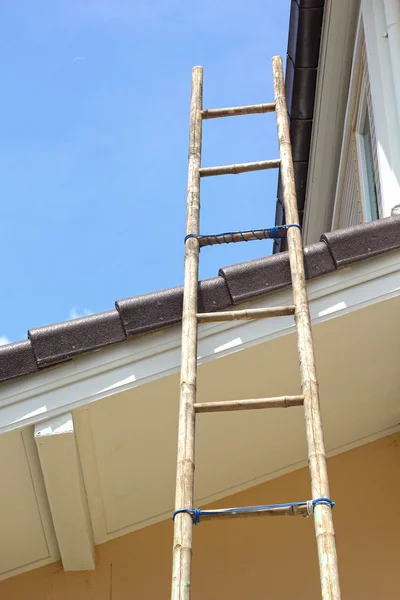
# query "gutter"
(305, 28)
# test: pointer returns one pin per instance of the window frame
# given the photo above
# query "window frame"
(372, 28)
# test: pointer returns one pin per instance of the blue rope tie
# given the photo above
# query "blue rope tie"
(269, 233)
(310, 504)
(195, 513)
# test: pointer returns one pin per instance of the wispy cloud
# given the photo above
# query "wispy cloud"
(78, 59)
(75, 313)
(4, 340)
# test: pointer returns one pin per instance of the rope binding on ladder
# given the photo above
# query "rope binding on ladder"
(228, 237)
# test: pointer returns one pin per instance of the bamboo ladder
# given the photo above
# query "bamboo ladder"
(320, 505)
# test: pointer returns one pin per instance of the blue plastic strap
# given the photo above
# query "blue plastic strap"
(274, 232)
(197, 512)
(326, 501)
(293, 225)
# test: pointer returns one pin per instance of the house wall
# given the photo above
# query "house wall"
(332, 170)
(255, 558)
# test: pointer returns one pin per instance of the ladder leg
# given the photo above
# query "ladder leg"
(324, 529)
(183, 525)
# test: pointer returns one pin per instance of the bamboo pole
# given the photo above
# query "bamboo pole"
(230, 405)
(182, 549)
(324, 529)
(251, 313)
(234, 111)
(261, 165)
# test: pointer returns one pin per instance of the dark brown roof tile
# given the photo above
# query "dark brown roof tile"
(59, 342)
(235, 284)
(149, 312)
(363, 241)
(16, 360)
(213, 295)
(317, 260)
(255, 277)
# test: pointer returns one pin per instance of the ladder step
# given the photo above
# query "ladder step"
(231, 237)
(251, 313)
(233, 111)
(292, 510)
(230, 405)
(261, 165)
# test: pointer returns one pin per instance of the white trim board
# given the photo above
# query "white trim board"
(336, 51)
(351, 109)
(97, 375)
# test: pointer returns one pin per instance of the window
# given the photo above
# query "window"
(365, 155)
(358, 192)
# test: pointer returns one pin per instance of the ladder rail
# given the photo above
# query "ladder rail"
(183, 526)
(323, 520)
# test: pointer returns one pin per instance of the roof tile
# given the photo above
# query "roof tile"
(363, 241)
(16, 359)
(249, 279)
(59, 342)
(149, 312)
(256, 277)
(238, 283)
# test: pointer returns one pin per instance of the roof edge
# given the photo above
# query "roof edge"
(54, 344)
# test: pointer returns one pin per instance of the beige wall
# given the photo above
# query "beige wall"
(256, 558)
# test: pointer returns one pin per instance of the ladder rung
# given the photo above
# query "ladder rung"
(230, 405)
(233, 111)
(229, 237)
(273, 511)
(251, 313)
(261, 165)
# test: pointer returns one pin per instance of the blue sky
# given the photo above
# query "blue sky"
(94, 139)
